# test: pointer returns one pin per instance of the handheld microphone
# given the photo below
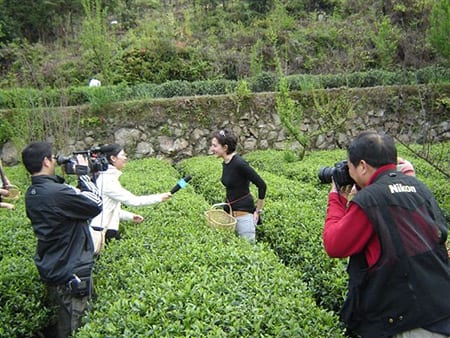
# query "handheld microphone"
(182, 183)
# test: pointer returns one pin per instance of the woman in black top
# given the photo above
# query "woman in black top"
(236, 177)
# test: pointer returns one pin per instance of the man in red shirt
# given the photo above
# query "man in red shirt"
(394, 233)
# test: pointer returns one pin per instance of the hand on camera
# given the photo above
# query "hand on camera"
(333, 187)
(82, 166)
(82, 160)
(346, 191)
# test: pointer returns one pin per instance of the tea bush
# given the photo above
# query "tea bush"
(292, 221)
(295, 209)
(21, 292)
(172, 275)
(169, 276)
(263, 82)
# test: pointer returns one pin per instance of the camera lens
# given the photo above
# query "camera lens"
(60, 160)
(325, 174)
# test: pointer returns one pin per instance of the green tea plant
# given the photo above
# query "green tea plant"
(293, 218)
(172, 275)
(22, 295)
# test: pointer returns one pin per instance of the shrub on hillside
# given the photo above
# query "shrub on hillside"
(266, 81)
(213, 87)
(174, 88)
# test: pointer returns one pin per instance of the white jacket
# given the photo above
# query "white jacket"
(114, 195)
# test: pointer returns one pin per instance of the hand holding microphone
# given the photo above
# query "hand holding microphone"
(182, 183)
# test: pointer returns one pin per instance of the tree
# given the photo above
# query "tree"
(386, 43)
(260, 6)
(36, 20)
(98, 43)
(439, 31)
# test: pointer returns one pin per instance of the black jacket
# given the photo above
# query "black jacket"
(59, 214)
(410, 284)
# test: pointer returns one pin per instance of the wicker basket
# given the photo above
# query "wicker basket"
(14, 194)
(218, 218)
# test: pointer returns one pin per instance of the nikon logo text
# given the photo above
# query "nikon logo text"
(401, 188)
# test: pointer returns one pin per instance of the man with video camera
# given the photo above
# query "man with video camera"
(59, 214)
(395, 234)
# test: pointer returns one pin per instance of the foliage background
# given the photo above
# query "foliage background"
(63, 43)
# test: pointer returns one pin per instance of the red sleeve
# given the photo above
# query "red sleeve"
(348, 231)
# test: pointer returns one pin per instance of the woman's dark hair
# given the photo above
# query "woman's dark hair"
(110, 150)
(226, 137)
(34, 154)
(377, 149)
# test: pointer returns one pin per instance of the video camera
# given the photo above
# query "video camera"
(339, 173)
(96, 162)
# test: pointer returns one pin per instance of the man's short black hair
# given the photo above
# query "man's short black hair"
(34, 154)
(377, 149)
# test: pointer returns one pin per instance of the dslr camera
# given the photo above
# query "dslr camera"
(339, 173)
(96, 162)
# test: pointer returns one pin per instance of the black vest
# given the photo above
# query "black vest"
(409, 286)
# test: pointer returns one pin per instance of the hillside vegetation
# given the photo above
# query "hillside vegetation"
(172, 276)
(62, 43)
(147, 50)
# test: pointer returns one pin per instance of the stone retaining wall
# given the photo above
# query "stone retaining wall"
(181, 127)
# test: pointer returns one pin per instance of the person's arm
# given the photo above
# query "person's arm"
(250, 174)
(119, 193)
(259, 205)
(5, 180)
(81, 203)
(347, 231)
(126, 215)
(114, 190)
(84, 202)
(253, 177)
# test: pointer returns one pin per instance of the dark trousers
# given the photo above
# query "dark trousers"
(112, 234)
(68, 311)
